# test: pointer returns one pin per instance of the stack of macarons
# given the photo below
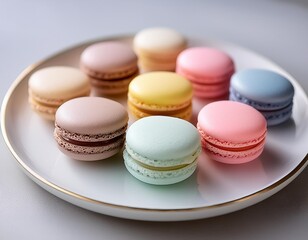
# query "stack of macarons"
(160, 76)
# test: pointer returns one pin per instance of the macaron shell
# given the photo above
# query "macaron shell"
(91, 115)
(154, 164)
(54, 85)
(234, 123)
(161, 88)
(157, 177)
(163, 138)
(263, 86)
(204, 63)
(108, 58)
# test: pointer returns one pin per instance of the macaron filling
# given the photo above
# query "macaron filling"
(232, 150)
(92, 144)
(235, 152)
(205, 80)
(89, 143)
(230, 145)
(161, 110)
(157, 107)
(261, 106)
(89, 137)
(159, 174)
(110, 75)
(156, 164)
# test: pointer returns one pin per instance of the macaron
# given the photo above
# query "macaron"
(208, 69)
(160, 93)
(110, 65)
(232, 132)
(267, 91)
(52, 86)
(90, 128)
(161, 150)
(158, 48)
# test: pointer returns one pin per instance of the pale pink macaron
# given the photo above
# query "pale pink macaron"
(90, 128)
(208, 69)
(111, 65)
(232, 132)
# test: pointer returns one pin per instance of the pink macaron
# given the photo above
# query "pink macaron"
(208, 69)
(90, 128)
(232, 132)
(110, 65)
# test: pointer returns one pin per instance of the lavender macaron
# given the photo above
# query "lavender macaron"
(90, 128)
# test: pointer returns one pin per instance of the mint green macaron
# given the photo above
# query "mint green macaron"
(161, 150)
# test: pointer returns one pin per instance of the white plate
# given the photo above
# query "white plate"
(106, 187)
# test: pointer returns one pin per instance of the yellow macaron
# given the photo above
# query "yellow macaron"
(160, 93)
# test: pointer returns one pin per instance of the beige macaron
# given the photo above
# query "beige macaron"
(52, 86)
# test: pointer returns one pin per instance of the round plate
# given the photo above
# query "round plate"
(106, 187)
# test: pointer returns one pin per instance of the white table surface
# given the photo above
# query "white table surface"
(31, 30)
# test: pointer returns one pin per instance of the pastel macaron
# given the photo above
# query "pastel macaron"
(265, 90)
(52, 86)
(161, 150)
(90, 128)
(209, 70)
(232, 132)
(160, 93)
(110, 65)
(158, 48)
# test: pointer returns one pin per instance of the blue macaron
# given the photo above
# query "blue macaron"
(267, 91)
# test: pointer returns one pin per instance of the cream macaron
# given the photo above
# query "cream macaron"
(158, 48)
(52, 86)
